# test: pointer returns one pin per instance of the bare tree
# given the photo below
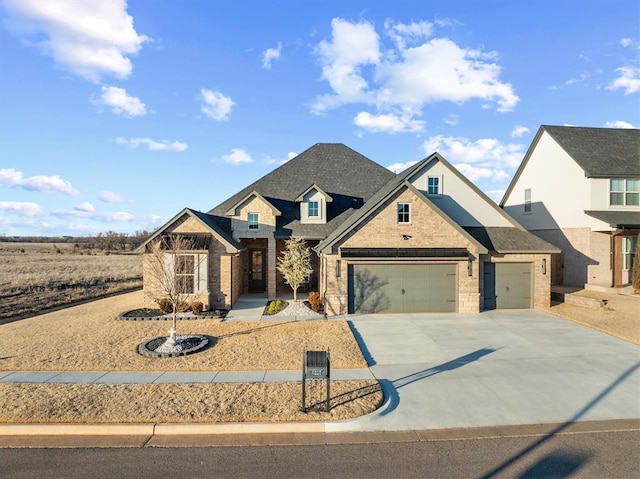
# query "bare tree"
(167, 265)
(295, 263)
(635, 279)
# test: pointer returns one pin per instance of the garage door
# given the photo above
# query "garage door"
(507, 286)
(402, 288)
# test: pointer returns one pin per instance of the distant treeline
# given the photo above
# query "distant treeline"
(109, 241)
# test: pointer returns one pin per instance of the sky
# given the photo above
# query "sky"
(115, 115)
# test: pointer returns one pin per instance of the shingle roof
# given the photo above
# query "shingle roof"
(600, 152)
(347, 176)
(617, 219)
(510, 240)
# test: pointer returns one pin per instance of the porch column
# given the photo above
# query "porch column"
(271, 267)
(617, 261)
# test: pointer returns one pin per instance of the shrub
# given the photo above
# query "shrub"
(197, 307)
(275, 306)
(165, 305)
(183, 307)
(315, 301)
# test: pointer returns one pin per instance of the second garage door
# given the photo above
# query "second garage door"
(507, 286)
(402, 288)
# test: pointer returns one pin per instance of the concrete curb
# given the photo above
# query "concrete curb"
(159, 429)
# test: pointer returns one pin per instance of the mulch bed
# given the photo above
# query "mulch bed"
(145, 314)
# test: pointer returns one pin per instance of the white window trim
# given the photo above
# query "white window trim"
(398, 213)
(624, 193)
(257, 228)
(527, 202)
(440, 185)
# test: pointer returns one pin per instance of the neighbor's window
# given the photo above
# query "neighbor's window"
(186, 273)
(629, 244)
(404, 215)
(433, 185)
(253, 220)
(624, 192)
(527, 200)
(313, 209)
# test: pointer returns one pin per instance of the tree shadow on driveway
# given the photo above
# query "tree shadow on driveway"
(390, 388)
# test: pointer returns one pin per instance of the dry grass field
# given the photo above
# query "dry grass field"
(38, 276)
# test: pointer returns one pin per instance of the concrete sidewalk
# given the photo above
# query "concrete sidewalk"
(171, 377)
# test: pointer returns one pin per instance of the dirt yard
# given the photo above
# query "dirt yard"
(620, 318)
(88, 337)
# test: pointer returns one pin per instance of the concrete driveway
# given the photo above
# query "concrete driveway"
(494, 368)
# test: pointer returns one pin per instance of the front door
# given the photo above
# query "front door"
(256, 270)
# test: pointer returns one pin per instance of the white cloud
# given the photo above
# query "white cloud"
(95, 216)
(629, 80)
(120, 102)
(22, 208)
(152, 145)
(110, 197)
(353, 45)
(271, 54)
(403, 34)
(452, 119)
(415, 70)
(518, 131)
(85, 207)
(45, 184)
(626, 42)
(237, 156)
(475, 173)
(275, 161)
(398, 167)
(216, 106)
(619, 124)
(495, 195)
(485, 152)
(389, 123)
(90, 39)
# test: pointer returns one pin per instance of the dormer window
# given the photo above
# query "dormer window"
(433, 185)
(313, 209)
(313, 205)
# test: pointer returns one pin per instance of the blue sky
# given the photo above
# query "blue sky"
(116, 115)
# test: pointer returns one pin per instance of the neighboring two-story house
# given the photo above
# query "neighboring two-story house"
(579, 189)
(425, 240)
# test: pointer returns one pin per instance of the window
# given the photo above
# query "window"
(433, 185)
(338, 268)
(313, 209)
(403, 213)
(527, 200)
(624, 192)
(186, 273)
(253, 220)
(629, 244)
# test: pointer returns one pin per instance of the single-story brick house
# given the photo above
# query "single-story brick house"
(424, 240)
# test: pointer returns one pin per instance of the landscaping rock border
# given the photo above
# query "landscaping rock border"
(148, 347)
(156, 315)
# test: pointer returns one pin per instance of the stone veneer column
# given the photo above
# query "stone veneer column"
(271, 267)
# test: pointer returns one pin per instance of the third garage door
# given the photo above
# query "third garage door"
(402, 288)
(507, 286)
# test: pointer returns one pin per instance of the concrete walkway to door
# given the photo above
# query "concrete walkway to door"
(492, 369)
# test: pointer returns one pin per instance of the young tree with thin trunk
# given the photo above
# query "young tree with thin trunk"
(165, 264)
(295, 263)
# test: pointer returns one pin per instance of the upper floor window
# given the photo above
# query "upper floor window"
(185, 273)
(433, 185)
(624, 192)
(313, 209)
(527, 200)
(404, 215)
(253, 219)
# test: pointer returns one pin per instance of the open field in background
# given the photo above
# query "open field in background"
(39, 276)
